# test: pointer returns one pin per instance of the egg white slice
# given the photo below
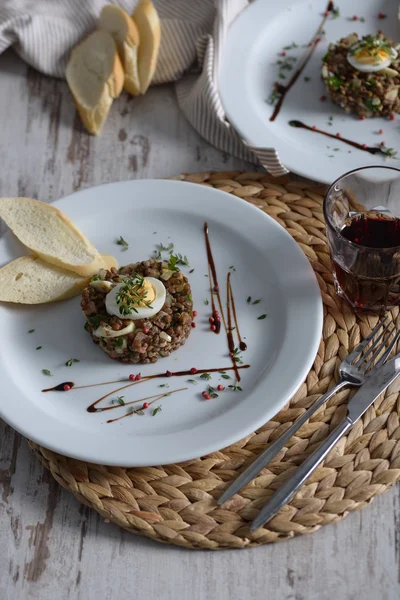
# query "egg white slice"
(372, 68)
(143, 312)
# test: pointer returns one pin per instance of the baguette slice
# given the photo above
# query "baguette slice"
(148, 23)
(122, 27)
(95, 77)
(30, 280)
(49, 234)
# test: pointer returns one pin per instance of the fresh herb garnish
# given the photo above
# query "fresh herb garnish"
(192, 381)
(274, 96)
(205, 376)
(164, 385)
(39, 348)
(123, 243)
(161, 248)
(191, 270)
(335, 12)
(249, 300)
(232, 268)
(291, 47)
(235, 388)
(31, 331)
(130, 293)
(335, 82)
(46, 372)
(206, 302)
(261, 317)
(390, 152)
(96, 278)
(225, 376)
(70, 361)
(257, 301)
(157, 410)
(285, 64)
(236, 356)
(212, 392)
(137, 411)
(307, 79)
(120, 400)
(119, 342)
(96, 320)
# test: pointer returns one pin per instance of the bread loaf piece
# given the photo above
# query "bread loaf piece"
(50, 234)
(121, 26)
(95, 77)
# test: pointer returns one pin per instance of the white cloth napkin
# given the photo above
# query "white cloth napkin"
(43, 33)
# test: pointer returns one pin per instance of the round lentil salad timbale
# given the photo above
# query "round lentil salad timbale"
(368, 94)
(143, 340)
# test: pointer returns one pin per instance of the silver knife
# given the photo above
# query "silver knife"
(361, 401)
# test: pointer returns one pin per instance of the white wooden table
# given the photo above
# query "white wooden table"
(53, 548)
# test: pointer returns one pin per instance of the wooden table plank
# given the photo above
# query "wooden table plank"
(52, 547)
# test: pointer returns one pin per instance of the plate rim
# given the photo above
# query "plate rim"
(244, 431)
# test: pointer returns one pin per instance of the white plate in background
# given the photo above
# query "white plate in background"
(248, 72)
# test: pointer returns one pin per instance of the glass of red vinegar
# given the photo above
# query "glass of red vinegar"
(362, 214)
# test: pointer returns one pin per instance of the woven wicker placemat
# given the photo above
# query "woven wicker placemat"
(176, 503)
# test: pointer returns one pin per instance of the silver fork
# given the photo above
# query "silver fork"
(353, 370)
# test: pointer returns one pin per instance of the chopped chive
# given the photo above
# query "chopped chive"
(262, 317)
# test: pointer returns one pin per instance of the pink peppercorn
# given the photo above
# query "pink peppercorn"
(213, 328)
(220, 388)
(138, 377)
(193, 370)
(67, 387)
(194, 313)
(193, 324)
(132, 377)
(145, 405)
(168, 373)
(206, 396)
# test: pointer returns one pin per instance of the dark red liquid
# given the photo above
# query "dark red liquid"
(373, 232)
(369, 276)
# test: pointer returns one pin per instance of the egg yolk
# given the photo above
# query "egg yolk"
(146, 292)
(364, 57)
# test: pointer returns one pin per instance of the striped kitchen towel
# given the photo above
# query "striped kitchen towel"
(43, 33)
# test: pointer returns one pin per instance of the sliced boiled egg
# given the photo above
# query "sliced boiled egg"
(370, 56)
(136, 298)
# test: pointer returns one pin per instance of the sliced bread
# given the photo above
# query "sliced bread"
(121, 26)
(50, 234)
(95, 77)
(148, 24)
(30, 280)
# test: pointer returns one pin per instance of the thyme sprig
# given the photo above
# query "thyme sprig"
(130, 293)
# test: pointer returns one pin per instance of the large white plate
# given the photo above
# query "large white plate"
(281, 348)
(249, 70)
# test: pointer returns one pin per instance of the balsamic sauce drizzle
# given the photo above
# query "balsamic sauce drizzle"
(92, 408)
(60, 387)
(214, 290)
(370, 149)
(231, 305)
(284, 89)
(128, 414)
